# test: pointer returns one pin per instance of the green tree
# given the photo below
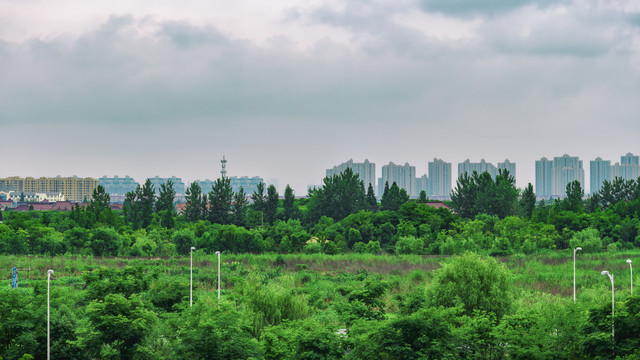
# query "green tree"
(183, 240)
(193, 208)
(528, 201)
(145, 201)
(394, 198)
(220, 198)
(259, 198)
(105, 241)
(271, 206)
(371, 197)
(341, 195)
(463, 196)
(239, 207)
(117, 327)
(573, 200)
(491, 288)
(288, 204)
(165, 206)
(422, 199)
(480, 194)
(210, 331)
(425, 334)
(130, 209)
(99, 206)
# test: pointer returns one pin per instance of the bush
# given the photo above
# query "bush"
(475, 283)
(409, 245)
(588, 239)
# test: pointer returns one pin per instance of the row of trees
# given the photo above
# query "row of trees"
(489, 215)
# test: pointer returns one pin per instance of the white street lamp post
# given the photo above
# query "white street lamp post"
(631, 269)
(218, 253)
(613, 334)
(191, 280)
(574, 272)
(48, 317)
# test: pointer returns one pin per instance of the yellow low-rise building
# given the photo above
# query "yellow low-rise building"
(73, 189)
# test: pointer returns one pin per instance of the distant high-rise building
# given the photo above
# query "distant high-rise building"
(509, 166)
(566, 169)
(469, 167)
(403, 175)
(599, 171)
(178, 185)
(117, 185)
(365, 170)
(422, 184)
(249, 184)
(628, 169)
(552, 177)
(544, 178)
(439, 179)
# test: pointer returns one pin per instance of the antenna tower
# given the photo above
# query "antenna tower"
(223, 172)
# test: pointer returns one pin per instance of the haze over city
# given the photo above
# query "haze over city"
(287, 90)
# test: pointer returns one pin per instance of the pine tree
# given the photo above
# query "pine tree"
(165, 206)
(220, 198)
(193, 207)
(422, 199)
(259, 198)
(371, 197)
(271, 206)
(146, 198)
(528, 201)
(239, 207)
(288, 203)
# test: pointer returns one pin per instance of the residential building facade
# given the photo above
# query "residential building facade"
(439, 180)
(73, 188)
(365, 170)
(403, 175)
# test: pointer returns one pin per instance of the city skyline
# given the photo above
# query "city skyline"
(288, 89)
(586, 177)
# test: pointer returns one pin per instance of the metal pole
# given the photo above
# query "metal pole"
(574, 272)
(218, 252)
(631, 270)
(191, 280)
(613, 333)
(48, 317)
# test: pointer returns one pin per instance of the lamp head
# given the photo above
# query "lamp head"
(192, 248)
(578, 248)
(217, 252)
(50, 272)
(629, 261)
(605, 273)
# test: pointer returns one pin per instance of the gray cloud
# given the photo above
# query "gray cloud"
(136, 89)
(472, 8)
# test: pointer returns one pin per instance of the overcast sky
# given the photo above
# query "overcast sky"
(286, 89)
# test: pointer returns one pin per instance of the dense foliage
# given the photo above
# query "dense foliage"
(473, 307)
(489, 216)
(319, 307)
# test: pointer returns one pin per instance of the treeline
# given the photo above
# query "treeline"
(489, 216)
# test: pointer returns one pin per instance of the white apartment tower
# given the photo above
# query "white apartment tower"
(439, 180)
(509, 166)
(552, 177)
(365, 170)
(403, 175)
(468, 167)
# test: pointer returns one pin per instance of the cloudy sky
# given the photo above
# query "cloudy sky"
(286, 89)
